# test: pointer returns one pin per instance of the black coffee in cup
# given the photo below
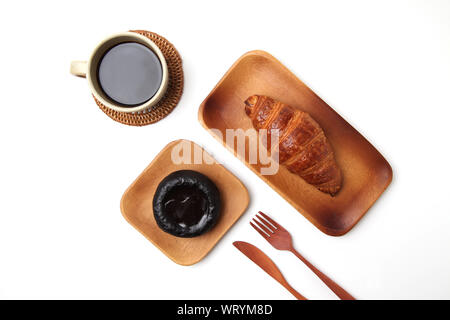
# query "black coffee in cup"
(130, 73)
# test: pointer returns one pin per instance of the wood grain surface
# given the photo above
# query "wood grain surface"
(366, 174)
(137, 208)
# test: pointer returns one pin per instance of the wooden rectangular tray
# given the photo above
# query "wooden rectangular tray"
(366, 174)
(137, 203)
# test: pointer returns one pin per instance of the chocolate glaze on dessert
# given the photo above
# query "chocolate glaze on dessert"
(186, 204)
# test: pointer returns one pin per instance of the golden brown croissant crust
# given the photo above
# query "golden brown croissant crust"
(303, 147)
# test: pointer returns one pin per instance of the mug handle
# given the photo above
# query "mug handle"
(78, 68)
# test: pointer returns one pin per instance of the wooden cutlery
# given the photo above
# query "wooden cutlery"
(265, 263)
(280, 239)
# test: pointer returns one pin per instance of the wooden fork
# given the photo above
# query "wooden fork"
(281, 239)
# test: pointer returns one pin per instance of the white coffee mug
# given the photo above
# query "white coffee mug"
(89, 70)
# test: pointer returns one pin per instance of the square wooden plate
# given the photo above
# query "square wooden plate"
(137, 202)
(366, 174)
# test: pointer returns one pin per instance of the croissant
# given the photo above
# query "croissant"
(302, 146)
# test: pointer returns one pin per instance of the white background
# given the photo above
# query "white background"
(383, 65)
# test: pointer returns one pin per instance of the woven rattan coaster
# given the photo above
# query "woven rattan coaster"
(173, 93)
